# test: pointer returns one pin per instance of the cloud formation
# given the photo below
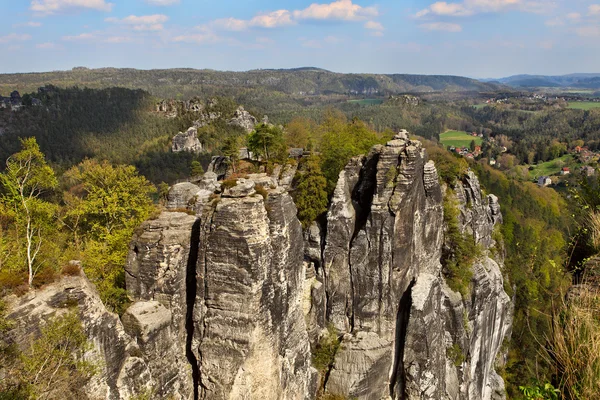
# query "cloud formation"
(30, 24)
(441, 26)
(141, 23)
(343, 10)
(14, 37)
(273, 19)
(594, 9)
(471, 7)
(47, 7)
(162, 2)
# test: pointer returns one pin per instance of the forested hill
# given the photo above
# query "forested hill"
(588, 81)
(171, 83)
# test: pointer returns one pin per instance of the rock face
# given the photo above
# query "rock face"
(123, 373)
(229, 301)
(243, 119)
(187, 141)
(401, 325)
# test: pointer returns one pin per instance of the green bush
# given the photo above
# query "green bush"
(461, 249)
(455, 354)
(324, 353)
(228, 183)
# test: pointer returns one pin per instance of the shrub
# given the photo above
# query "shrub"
(324, 353)
(71, 269)
(461, 251)
(574, 344)
(228, 183)
(455, 354)
(262, 191)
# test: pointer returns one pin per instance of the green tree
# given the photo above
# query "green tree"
(26, 178)
(196, 168)
(112, 202)
(231, 149)
(472, 145)
(267, 141)
(340, 142)
(54, 366)
(310, 195)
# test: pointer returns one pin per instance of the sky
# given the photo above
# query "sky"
(475, 38)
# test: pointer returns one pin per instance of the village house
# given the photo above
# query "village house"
(565, 171)
(544, 181)
(588, 171)
(492, 161)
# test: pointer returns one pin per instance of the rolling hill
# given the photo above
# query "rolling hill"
(171, 83)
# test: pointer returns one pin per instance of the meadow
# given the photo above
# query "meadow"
(367, 102)
(458, 139)
(584, 105)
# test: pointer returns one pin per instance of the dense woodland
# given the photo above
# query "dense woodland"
(88, 165)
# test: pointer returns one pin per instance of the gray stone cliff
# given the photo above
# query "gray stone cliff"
(230, 295)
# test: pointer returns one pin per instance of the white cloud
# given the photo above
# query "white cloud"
(30, 24)
(588, 31)
(442, 26)
(273, 19)
(573, 16)
(14, 37)
(554, 22)
(343, 10)
(46, 46)
(594, 9)
(376, 26)
(471, 7)
(118, 39)
(162, 2)
(80, 37)
(47, 7)
(141, 23)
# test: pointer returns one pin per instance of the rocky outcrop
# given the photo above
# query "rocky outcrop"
(229, 297)
(187, 141)
(404, 332)
(122, 372)
(243, 119)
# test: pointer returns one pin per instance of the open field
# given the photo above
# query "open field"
(481, 105)
(553, 167)
(367, 102)
(458, 139)
(584, 105)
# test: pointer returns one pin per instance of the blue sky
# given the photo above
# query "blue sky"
(477, 38)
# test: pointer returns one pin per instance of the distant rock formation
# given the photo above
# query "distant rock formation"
(243, 119)
(187, 141)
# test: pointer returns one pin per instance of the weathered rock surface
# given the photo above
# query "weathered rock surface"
(385, 290)
(122, 373)
(228, 302)
(243, 119)
(187, 141)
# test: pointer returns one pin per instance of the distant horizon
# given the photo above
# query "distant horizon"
(471, 38)
(303, 67)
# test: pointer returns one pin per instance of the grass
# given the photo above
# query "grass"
(367, 102)
(584, 105)
(553, 167)
(458, 139)
(479, 106)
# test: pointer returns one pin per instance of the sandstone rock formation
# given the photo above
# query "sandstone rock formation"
(231, 297)
(243, 119)
(187, 141)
